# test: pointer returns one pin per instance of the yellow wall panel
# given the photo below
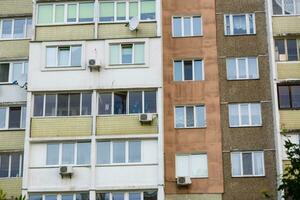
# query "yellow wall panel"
(11, 49)
(124, 124)
(12, 7)
(290, 119)
(61, 126)
(286, 25)
(288, 70)
(110, 31)
(11, 186)
(65, 32)
(11, 140)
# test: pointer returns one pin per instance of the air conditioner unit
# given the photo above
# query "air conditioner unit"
(93, 65)
(146, 118)
(282, 57)
(66, 171)
(184, 180)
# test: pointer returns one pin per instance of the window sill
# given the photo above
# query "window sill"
(192, 36)
(178, 128)
(58, 166)
(2, 178)
(252, 79)
(126, 164)
(196, 177)
(251, 34)
(126, 22)
(123, 66)
(12, 129)
(65, 24)
(288, 62)
(283, 15)
(256, 126)
(76, 116)
(250, 176)
(13, 39)
(70, 68)
(188, 81)
(130, 114)
(290, 109)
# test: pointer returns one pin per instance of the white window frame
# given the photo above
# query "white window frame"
(56, 94)
(58, 196)
(283, 9)
(23, 109)
(241, 163)
(192, 26)
(286, 50)
(60, 145)
(190, 164)
(26, 36)
(247, 69)
(249, 115)
(127, 102)
(126, 194)
(195, 116)
(111, 142)
(127, 12)
(57, 66)
(9, 165)
(53, 23)
(231, 25)
(193, 68)
(10, 74)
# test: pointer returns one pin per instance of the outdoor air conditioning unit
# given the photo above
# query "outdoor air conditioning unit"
(184, 180)
(66, 171)
(93, 65)
(146, 118)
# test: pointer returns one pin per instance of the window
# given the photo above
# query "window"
(117, 11)
(65, 13)
(130, 195)
(127, 54)
(68, 153)
(127, 102)
(119, 152)
(241, 24)
(62, 196)
(190, 116)
(247, 164)
(194, 165)
(286, 7)
(63, 56)
(287, 49)
(15, 28)
(289, 96)
(14, 71)
(187, 26)
(13, 117)
(245, 114)
(242, 68)
(63, 104)
(10, 165)
(188, 70)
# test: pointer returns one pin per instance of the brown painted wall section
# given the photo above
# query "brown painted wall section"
(192, 92)
(255, 138)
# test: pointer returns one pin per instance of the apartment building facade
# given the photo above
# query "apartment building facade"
(15, 33)
(192, 126)
(249, 153)
(95, 102)
(284, 44)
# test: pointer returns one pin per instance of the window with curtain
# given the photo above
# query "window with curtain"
(122, 54)
(241, 24)
(147, 9)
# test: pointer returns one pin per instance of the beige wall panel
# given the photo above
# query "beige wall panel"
(61, 126)
(194, 197)
(288, 70)
(15, 7)
(11, 186)
(126, 124)
(286, 25)
(66, 32)
(14, 49)
(109, 31)
(11, 140)
(289, 119)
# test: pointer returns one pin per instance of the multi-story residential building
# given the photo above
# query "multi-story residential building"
(15, 33)
(192, 127)
(91, 82)
(284, 44)
(249, 155)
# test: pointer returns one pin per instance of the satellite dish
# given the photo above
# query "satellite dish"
(134, 23)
